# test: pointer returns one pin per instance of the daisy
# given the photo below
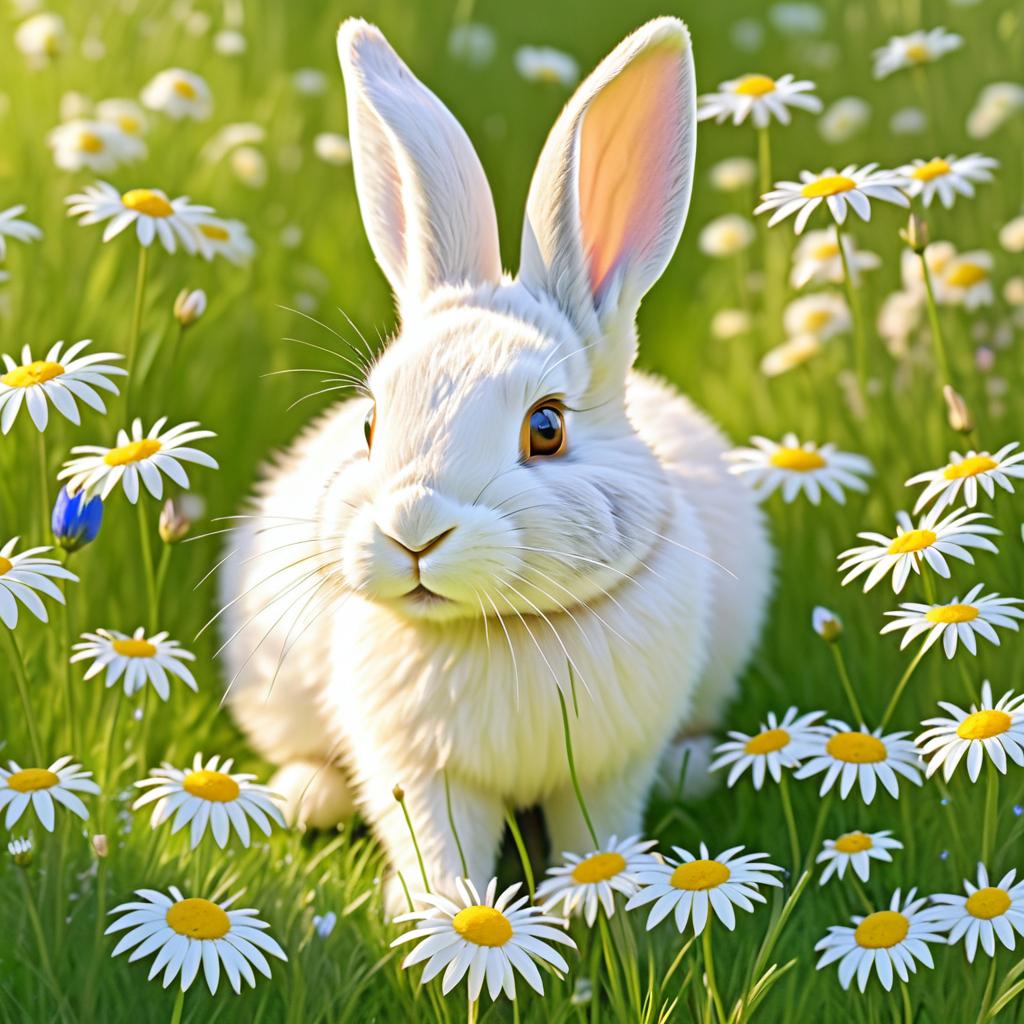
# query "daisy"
(57, 379)
(546, 64)
(957, 621)
(12, 227)
(694, 887)
(931, 541)
(726, 236)
(733, 174)
(967, 281)
(188, 933)
(126, 114)
(823, 314)
(227, 238)
(848, 755)
(856, 850)
(21, 851)
(888, 940)
(208, 794)
(172, 221)
(22, 575)
(817, 260)
(135, 659)
(97, 146)
(40, 787)
(799, 467)
(790, 354)
(584, 883)
(852, 187)
(142, 455)
(333, 148)
(41, 37)
(946, 178)
(996, 729)
(966, 472)
(988, 912)
(489, 938)
(778, 744)
(179, 94)
(760, 98)
(914, 49)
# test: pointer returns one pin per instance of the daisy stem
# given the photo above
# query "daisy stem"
(764, 159)
(400, 797)
(900, 687)
(819, 828)
(147, 559)
(179, 1002)
(908, 1009)
(966, 677)
(24, 688)
(472, 1011)
(451, 824)
(709, 968)
(986, 999)
(133, 340)
(524, 857)
(988, 832)
(787, 811)
(44, 487)
(933, 321)
(859, 332)
(861, 894)
(844, 678)
(572, 768)
(44, 951)
(927, 582)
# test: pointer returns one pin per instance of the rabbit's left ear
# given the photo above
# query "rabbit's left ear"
(425, 201)
(611, 190)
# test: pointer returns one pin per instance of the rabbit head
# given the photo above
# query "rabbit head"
(501, 470)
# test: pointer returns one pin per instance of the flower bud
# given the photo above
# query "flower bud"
(21, 851)
(915, 234)
(957, 413)
(100, 846)
(398, 793)
(76, 519)
(826, 624)
(189, 306)
(174, 522)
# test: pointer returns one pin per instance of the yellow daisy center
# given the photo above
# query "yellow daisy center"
(198, 919)
(217, 787)
(918, 53)
(134, 451)
(912, 540)
(184, 89)
(831, 185)
(768, 741)
(854, 842)
(6, 565)
(599, 868)
(881, 930)
(36, 372)
(128, 124)
(134, 648)
(799, 460)
(825, 251)
(973, 465)
(145, 200)
(951, 613)
(856, 748)
(815, 319)
(699, 874)
(483, 926)
(966, 275)
(754, 85)
(215, 231)
(930, 171)
(90, 142)
(988, 903)
(28, 780)
(983, 725)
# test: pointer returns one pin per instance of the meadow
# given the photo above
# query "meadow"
(865, 373)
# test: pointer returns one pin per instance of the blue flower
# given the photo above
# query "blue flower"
(75, 520)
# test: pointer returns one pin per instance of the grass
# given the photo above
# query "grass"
(54, 963)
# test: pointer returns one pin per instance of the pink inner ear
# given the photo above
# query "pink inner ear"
(628, 145)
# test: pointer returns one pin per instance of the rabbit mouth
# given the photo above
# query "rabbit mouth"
(424, 596)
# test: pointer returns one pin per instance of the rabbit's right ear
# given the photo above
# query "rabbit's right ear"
(425, 201)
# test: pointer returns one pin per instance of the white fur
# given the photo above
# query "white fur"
(635, 557)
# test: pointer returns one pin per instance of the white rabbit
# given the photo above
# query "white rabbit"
(509, 497)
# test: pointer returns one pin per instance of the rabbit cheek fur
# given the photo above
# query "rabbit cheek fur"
(411, 608)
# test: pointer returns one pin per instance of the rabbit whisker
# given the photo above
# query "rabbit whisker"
(511, 647)
(536, 643)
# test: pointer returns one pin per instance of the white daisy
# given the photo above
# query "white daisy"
(96, 146)
(790, 354)
(57, 378)
(966, 281)
(799, 468)
(912, 50)
(849, 756)
(852, 187)
(22, 575)
(584, 883)
(143, 455)
(21, 851)
(947, 178)
(957, 621)
(817, 260)
(931, 541)
(823, 314)
(40, 787)
(995, 729)
(179, 94)
(759, 97)
(41, 37)
(126, 114)
(209, 795)
(733, 174)
(892, 940)
(11, 226)
(135, 660)
(697, 888)
(546, 64)
(856, 850)
(172, 221)
(726, 236)
(490, 938)
(187, 934)
(227, 238)
(776, 745)
(966, 472)
(987, 913)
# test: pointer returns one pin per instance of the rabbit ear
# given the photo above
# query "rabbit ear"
(425, 201)
(609, 197)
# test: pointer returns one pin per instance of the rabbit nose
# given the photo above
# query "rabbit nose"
(418, 552)
(416, 519)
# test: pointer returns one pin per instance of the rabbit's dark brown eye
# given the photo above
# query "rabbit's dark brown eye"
(368, 424)
(544, 432)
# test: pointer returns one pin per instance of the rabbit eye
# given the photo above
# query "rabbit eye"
(368, 424)
(544, 431)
